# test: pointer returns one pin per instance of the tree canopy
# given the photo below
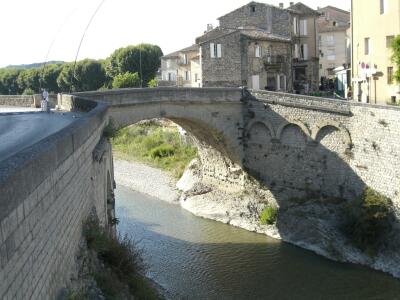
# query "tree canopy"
(121, 69)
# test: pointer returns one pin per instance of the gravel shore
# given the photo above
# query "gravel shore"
(146, 180)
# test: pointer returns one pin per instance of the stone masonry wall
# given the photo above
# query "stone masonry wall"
(272, 19)
(226, 70)
(16, 100)
(305, 146)
(46, 192)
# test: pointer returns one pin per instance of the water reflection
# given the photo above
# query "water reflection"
(194, 258)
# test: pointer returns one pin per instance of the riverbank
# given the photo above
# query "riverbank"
(313, 225)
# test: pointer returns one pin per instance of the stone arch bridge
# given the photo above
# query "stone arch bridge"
(295, 146)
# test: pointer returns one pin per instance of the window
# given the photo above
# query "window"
(334, 23)
(258, 51)
(330, 40)
(282, 82)
(296, 50)
(303, 27)
(185, 59)
(196, 77)
(187, 75)
(295, 27)
(389, 41)
(330, 54)
(169, 76)
(390, 75)
(215, 50)
(304, 51)
(252, 8)
(367, 46)
(383, 6)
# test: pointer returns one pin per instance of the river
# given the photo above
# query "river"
(195, 258)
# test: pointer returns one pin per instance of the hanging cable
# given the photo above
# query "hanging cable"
(80, 44)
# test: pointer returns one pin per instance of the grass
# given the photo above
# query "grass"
(370, 219)
(269, 215)
(155, 145)
(120, 275)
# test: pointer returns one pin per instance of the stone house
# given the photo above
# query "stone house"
(263, 47)
(176, 68)
(246, 57)
(333, 24)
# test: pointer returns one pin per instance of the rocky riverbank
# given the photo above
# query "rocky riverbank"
(312, 224)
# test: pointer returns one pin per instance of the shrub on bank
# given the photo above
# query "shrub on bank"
(369, 220)
(121, 273)
(269, 215)
(158, 146)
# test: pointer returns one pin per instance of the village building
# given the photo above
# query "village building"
(181, 68)
(334, 45)
(374, 26)
(263, 47)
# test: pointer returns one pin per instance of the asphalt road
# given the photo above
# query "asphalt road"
(18, 131)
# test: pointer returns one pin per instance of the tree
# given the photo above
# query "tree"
(152, 83)
(89, 75)
(29, 79)
(143, 59)
(8, 79)
(49, 75)
(396, 56)
(126, 80)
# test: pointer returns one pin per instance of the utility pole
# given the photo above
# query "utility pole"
(140, 66)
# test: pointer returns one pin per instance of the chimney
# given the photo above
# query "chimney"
(209, 27)
(281, 5)
(291, 3)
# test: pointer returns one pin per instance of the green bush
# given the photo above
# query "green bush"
(162, 151)
(269, 215)
(122, 265)
(152, 83)
(158, 146)
(369, 220)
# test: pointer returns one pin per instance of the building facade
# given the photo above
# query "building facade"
(333, 24)
(305, 48)
(263, 47)
(179, 68)
(374, 26)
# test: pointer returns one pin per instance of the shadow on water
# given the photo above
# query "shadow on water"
(194, 258)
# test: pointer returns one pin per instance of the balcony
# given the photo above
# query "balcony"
(274, 62)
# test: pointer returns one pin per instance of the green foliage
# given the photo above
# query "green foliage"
(269, 215)
(110, 130)
(369, 220)
(158, 146)
(28, 91)
(126, 80)
(89, 75)
(152, 83)
(161, 151)
(396, 56)
(128, 59)
(122, 264)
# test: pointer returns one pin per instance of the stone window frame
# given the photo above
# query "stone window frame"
(390, 75)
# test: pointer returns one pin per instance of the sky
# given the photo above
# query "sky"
(35, 29)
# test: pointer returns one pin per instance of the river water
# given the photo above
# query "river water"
(195, 258)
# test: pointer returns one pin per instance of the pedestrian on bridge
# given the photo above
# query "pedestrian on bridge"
(45, 101)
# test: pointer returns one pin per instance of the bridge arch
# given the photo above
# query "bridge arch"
(317, 130)
(264, 123)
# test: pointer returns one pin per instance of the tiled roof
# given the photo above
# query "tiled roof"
(263, 35)
(214, 34)
(194, 47)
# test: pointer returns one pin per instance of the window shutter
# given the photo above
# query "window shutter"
(212, 50)
(304, 27)
(305, 49)
(295, 25)
(219, 50)
(296, 50)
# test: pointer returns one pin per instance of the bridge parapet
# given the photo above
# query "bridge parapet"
(303, 101)
(121, 97)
